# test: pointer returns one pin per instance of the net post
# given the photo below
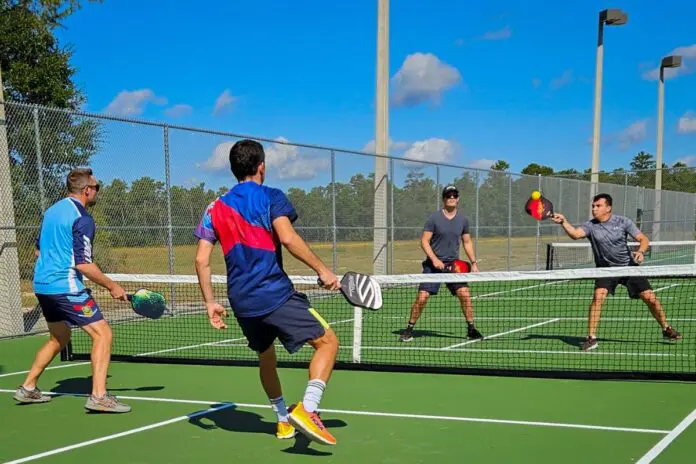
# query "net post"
(357, 333)
(170, 231)
(39, 162)
(66, 354)
(334, 244)
(549, 256)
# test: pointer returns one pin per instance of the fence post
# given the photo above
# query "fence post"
(39, 162)
(334, 245)
(538, 230)
(391, 214)
(170, 231)
(625, 195)
(437, 188)
(10, 294)
(509, 244)
(476, 230)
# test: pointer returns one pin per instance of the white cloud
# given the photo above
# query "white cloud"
(481, 164)
(633, 134)
(393, 146)
(687, 124)
(563, 80)
(133, 103)
(178, 111)
(501, 34)
(688, 54)
(688, 160)
(283, 161)
(421, 78)
(223, 102)
(433, 150)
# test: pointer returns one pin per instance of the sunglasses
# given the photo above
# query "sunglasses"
(452, 195)
(95, 187)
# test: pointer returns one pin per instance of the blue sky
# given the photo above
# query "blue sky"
(471, 82)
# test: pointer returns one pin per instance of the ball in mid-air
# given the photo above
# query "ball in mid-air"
(536, 195)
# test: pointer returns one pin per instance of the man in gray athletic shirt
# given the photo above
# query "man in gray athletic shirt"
(607, 234)
(440, 242)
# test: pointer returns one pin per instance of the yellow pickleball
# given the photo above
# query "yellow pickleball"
(536, 195)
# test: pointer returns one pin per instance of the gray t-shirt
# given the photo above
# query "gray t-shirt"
(447, 234)
(609, 240)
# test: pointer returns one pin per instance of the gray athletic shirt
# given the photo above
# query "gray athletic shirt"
(609, 240)
(447, 234)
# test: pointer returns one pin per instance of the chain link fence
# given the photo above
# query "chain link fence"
(152, 198)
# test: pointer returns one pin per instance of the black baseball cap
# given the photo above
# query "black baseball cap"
(449, 189)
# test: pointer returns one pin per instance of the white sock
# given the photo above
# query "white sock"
(278, 405)
(312, 396)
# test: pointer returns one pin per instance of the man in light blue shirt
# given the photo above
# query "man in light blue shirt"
(64, 250)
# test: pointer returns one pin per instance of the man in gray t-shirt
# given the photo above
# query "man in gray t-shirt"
(608, 234)
(442, 233)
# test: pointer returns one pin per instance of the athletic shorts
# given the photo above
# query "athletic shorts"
(434, 288)
(77, 309)
(294, 323)
(635, 285)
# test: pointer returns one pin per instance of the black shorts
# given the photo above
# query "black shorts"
(635, 285)
(294, 323)
(77, 309)
(434, 288)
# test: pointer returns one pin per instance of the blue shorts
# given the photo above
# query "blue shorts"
(294, 323)
(434, 288)
(78, 309)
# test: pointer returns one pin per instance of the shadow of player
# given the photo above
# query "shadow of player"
(576, 341)
(84, 385)
(430, 333)
(235, 420)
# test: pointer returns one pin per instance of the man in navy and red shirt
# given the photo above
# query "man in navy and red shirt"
(252, 222)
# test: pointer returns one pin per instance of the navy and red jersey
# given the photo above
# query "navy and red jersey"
(242, 221)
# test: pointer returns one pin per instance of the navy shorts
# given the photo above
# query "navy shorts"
(77, 309)
(434, 288)
(294, 324)
(634, 285)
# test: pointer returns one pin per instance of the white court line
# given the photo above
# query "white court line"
(118, 435)
(502, 333)
(671, 436)
(394, 415)
(48, 368)
(518, 289)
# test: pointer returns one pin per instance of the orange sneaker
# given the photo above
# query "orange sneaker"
(310, 425)
(284, 431)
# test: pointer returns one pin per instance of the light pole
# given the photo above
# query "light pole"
(379, 256)
(673, 61)
(610, 17)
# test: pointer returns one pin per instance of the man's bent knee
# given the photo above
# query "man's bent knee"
(328, 339)
(99, 330)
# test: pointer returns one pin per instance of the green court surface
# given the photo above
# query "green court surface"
(376, 417)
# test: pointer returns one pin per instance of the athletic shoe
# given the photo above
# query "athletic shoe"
(590, 343)
(473, 333)
(285, 431)
(107, 403)
(24, 396)
(310, 425)
(671, 334)
(406, 335)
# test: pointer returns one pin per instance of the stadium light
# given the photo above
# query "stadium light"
(610, 17)
(673, 61)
